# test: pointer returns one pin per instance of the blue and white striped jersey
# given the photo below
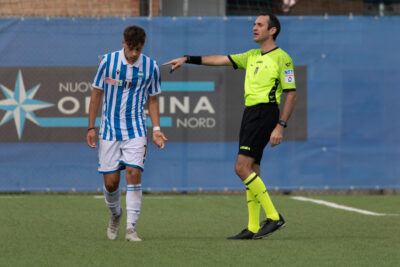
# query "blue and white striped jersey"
(126, 88)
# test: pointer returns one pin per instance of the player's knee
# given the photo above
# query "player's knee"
(133, 173)
(111, 186)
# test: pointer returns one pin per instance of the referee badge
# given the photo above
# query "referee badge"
(255, 71)
(289, 76)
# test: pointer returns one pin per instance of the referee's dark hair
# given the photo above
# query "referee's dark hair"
(273, 22)
(134, 36)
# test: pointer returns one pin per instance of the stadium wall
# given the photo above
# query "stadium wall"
(344, 134)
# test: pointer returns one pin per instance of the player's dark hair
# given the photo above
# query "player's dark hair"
(134, 36)
(273, 22)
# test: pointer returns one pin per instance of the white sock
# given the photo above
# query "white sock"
(133, 204)
(112, 201)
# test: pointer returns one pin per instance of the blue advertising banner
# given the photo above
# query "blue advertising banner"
(344, 132)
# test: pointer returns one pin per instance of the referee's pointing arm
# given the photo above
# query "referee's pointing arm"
(212, 60)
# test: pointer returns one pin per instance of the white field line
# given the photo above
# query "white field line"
(147, 197)
(342, 207)
(11, 197)
(156, 197)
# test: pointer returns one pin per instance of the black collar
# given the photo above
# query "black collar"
(269, 51)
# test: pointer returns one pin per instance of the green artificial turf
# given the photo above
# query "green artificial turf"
(191, 230)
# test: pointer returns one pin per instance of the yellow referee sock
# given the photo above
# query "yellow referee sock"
(254, 212)
(257, 187)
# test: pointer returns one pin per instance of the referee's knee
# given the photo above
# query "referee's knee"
(242, 170)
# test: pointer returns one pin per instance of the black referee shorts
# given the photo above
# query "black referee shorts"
(258, 122)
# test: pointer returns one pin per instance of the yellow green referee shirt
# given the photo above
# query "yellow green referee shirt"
(267, 75)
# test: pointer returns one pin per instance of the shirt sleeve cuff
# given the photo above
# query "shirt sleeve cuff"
(155, 93)
(233, 62)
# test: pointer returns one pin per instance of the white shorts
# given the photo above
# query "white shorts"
(116, 155)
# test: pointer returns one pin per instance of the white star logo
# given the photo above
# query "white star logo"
(20, 104)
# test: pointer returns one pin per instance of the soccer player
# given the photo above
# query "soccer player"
(125, 80)
(269, 72)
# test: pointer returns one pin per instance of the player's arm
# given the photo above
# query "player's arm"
(158, 136)
(95, 99)
(290, 102)
(211, 60)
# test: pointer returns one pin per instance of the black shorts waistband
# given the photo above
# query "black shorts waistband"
(263, 105)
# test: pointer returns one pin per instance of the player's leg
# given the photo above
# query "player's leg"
(112, 198)
(133, 157)
(133, 201)
(112, 192)
(109, 155)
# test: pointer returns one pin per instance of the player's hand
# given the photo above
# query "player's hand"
(175, 63)
(159, 139)
(90, 138)
(276, 135)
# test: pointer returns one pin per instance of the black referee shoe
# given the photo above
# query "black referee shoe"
(269, 227)
(245, 234)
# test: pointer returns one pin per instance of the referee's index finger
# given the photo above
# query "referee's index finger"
(167, 63)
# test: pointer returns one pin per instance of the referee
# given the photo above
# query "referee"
(269, 72)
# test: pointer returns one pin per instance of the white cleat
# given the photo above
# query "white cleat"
(131, 235)
(113, 226)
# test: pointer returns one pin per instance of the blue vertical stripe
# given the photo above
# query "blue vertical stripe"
(117, 111)
(144, 94)
(106, 93)
(151, 89)
(157, 82)
(129, 104)
(100, 75)
(113, 87)
(138, 96)
(114, 71)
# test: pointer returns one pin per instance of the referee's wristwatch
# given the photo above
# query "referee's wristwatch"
(282, 123)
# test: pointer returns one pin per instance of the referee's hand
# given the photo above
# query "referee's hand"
(175, 63)
(276, 136)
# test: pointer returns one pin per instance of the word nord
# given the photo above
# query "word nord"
(196, 122)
